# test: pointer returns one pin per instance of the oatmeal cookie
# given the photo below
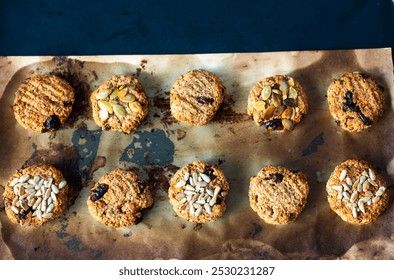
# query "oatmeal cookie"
(119, 104)
(35, 195)
(355, 101)
(196, 96)
(356, 192)
(278, 103)
(278, 195)
(43, 103)
(119, 198)
(198, 192)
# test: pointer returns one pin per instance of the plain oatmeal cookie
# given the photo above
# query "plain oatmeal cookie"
(119, 104)
(198, 192)
(356, 192)
(35, 195)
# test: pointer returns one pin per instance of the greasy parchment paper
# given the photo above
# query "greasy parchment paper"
(161, 145)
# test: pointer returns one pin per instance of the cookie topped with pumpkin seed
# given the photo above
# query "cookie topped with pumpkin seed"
(119, 104)
(278, 103)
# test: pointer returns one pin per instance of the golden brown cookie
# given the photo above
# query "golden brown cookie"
(35, 195)
(355, 101)
(196, 96)
(43, 103)
(198, 192)
(278, 103)
(356, 192)
(278, 195)
(119, 104)
(119, 198)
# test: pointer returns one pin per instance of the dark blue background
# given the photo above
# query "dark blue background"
(158, 27)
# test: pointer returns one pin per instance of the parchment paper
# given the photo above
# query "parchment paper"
(161, 145)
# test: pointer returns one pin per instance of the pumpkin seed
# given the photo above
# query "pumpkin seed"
(278, 111)
(284, 88)
(128, 98)
(293, 93)
(119, 110)
(135, 106)
(104, 115)
(287, 113)
(291, 82)
(276, 100)
(122, 93)
(114, 94)
(266, 92)
(104, 105)
(259, 105)
(269, 112)
(102, 94)
(287, 124)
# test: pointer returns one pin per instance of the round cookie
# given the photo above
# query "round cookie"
(198, 192)
(278, 195)
(196, 96)
(119, 198)
(119, 104)
(355, 101)
(278, 103)
(43, 103)
(35, 195)
(356, 192)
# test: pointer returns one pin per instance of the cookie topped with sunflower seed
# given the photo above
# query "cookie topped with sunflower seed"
(119, 104)
(278, 103)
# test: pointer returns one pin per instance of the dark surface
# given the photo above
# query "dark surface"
(90, 27)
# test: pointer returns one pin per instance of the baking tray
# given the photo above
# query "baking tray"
(231, 140)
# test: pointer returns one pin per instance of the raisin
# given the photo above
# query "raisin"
(52, 123)
(277, 177)
(275, 124)
(204, 100)
(98, 192)
(364, 119)
(290, 102)
(22, 215)
(106, 127)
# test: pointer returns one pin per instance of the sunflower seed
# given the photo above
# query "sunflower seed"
(15, 200)
(16, 190)
(186, 176)
(200, 202)
(205, 177)
(39, 214)
(24, 178)
(195, 197)
(208, 208)
(354, 196)
(38, 193)
(62, 184)
(189, 188)
(266, 92)
(364, 173)
(189, 197)
(372, 182)
(361, 206)
(28, 186)
(21, 191)
(179, 196)
(379, 193)
(14, 209)
(363, 178)
(259, 105)
(345, 187)
(24, 196)
(191, 209)
(346, 195)
(182, 201)
(54, 189)
(210, 192)
(340, 195)
(287, 124)
(366, 186)
(198, 211)
(104, 115)
(180, 184)
(349, 181)
(31, 181)
(369, 202)
(103, 94)
(343, 175)
(14, 182)
(38, 186)
(213, 201)
(337, 188)
(375, 199)
(195, 177)
(37, 203)
(371, 174)
(196, 205)
(354, 212)
(25, 206)
(47, 215)
(36, 180)
(53, 195)
(47, 193)
(368, 194)
(189, 192)
(364, 199)
(43, 205)
(31, 202)
(216, 191)
(18, 203)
